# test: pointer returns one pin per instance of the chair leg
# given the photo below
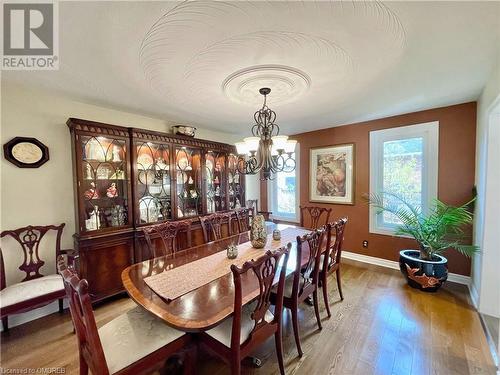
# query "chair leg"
(339, 283)
(279, 349)
(190, 359)
(325, 294)
(61, 306)
(295, 324)
(84, 369)
(5, 323)
(316, 308)
(235, 364)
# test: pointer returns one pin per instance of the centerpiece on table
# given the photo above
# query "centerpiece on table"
(441, 228)
(232, 251)
(258, 232)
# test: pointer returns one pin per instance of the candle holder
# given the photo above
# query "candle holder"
(276, 235)
(232, 251)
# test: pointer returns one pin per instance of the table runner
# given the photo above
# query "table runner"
(176, 282)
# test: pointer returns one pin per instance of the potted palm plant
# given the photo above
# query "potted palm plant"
(441, 228)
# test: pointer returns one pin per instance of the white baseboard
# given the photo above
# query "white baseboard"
(474, 295)
(18, 319)
(453, 277)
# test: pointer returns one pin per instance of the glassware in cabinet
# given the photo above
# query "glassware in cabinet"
(152, 182)
(235, 184)
(188, 181)
(215, 187)
(104, 184)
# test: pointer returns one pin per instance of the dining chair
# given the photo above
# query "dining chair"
(243, 218)
(314, 216)
(252, 324)
(168, 232)
(252, 205)
(304, 282)
(35, 289)
(212, 225)
(330, 261)
(129, 344)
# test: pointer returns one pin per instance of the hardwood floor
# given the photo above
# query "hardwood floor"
(381, 327)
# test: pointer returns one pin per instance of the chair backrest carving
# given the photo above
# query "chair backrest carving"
(264, 268)
(29, 239)
(243, 217)
(314, 214)
(308, 274)
(335, 251)
(89, 343)
(168, 232)
(211, 225)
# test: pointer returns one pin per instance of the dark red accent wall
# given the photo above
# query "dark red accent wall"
(457, 140)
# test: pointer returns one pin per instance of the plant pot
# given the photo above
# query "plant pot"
(426, 275)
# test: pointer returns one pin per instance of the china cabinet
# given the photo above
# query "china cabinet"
(152, 181)
(188, 182)
(129, 178)
(215, 176)
(236, 183)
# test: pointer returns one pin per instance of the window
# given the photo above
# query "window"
(283, 193)
(403, 161)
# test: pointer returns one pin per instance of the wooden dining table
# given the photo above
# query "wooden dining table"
(206, 306)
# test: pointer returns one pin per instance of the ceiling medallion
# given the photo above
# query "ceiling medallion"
(266, 150)
(288, 83)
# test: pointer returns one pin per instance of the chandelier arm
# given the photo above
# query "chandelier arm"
(275, 127)
(255, 130)
(247, 166)
(263, 160)
(282, 159)
(274, 166)
(241, 164)
(256, 117)
(252, 165)
(272, 116)
(256, 165)
(290, 168)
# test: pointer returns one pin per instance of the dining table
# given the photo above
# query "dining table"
(207, 305)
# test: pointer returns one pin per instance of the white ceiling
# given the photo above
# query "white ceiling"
(327, 63)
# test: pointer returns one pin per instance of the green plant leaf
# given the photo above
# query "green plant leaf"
(439, 229)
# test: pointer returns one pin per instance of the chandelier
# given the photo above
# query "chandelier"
(266, 150)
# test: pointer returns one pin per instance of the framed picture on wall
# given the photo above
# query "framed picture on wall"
(332, 174)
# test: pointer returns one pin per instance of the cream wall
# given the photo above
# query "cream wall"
(45, 195)
(485, 275)
(252, 187)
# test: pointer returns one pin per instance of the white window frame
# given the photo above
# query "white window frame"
(429, 131)
(272, 192)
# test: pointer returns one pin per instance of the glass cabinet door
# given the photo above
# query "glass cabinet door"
(215, 165)
(104, 185)
(188, 181)
(235, 184)
(153, 189)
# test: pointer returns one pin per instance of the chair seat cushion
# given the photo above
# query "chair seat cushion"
(27, 290)
(133, 336)
(223, 331)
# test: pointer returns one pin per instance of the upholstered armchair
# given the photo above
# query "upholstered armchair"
(34, 290)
